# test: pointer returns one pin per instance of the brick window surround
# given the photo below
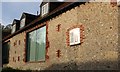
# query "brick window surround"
(113, 2)
(58, 27)
(19, 42)
(15, 43)
(47, 42)
(58, 52)
(18, 58)
(13, 59)
(82, 36)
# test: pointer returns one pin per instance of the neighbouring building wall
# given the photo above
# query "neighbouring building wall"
(98, 23)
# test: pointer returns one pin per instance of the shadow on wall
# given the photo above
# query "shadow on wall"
(107, 66)
(95, 65)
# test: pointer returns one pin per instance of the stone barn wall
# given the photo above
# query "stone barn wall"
(99, 37)
(98, 23)
(17, 50)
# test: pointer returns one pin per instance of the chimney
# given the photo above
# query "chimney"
(37, 13)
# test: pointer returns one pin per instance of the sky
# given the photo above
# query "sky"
(14, 10)
(0, 12)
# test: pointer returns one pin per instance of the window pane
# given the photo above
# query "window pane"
(32, 45)
(74, 36)
(28, 47)
(13, 28)
(42, 10)
(36, 45)
(5, 52)
(22, 23)
(41, 44)
(46, 8)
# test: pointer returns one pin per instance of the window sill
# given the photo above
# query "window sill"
(34, 61)
(75, 44)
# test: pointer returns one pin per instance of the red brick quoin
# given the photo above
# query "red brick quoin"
(113, 3)
(82, 36)
(58, 27)
(47, 42)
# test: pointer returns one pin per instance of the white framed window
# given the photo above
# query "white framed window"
(74, 36)
(118, 2)
(22, 23)
(45, 9)
(13, 28)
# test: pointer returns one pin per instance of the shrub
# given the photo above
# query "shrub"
(9, 69)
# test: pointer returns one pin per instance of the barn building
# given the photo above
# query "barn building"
(65, 36)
